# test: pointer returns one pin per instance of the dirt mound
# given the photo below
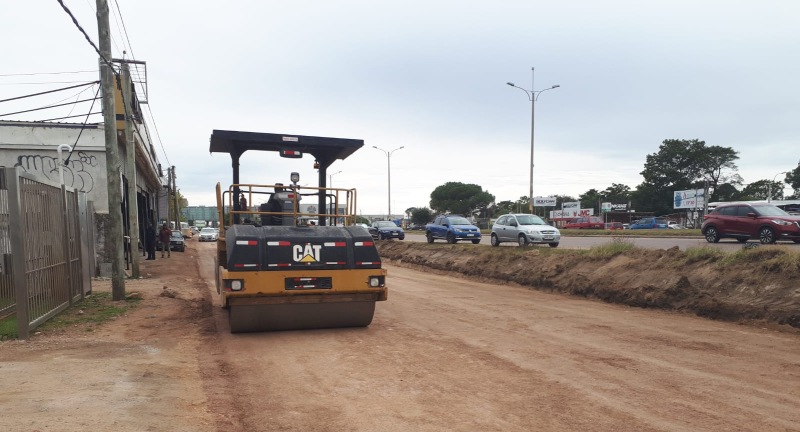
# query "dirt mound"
(752, 284)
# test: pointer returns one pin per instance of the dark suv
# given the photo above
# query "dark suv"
(744, 221)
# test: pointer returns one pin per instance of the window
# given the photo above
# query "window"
(728, 211)
(502, 220)
(742, 211)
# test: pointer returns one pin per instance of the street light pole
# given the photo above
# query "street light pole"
(533, 95)
(330, 178)
(389, 171)
(769, 186)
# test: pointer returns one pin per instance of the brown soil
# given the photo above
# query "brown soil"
(760, 285)
(444, 353)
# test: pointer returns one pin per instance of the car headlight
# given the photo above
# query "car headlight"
(781, 222)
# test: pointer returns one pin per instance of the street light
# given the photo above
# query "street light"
(389, 171)
(330, 178)
(533, 95)
(769, 187)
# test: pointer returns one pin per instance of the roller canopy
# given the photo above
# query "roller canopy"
(325, 150)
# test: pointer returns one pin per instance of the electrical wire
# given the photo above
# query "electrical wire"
(49, 91)
(66, 117)
(47, 107)
(158, 135)
(74, 146)
(88, 39)
(47, 73)
(125, 29)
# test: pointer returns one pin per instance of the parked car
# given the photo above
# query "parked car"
(452, 228)
(650, 223)
(585, 222)
(614, 226)
(524, 229)
(208, 234)
(673, 225)
(742, 221)
(176, 242)
(388, 230)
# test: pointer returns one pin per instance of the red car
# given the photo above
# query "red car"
(588, 222)
(744, 221)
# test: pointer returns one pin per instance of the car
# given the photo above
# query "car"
(372, 231)
(524, 229)
(585, 222)
(452, 228)
(744, 221)
(673, 225)
(387, 230)
(208, 234)
(650, 223)
(614, 226)
(176, 242)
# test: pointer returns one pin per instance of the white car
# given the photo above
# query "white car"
(524, 229)
(208, 234)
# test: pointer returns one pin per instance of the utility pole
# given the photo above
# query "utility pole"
(175, 195)
(114, 241)
(133, 201)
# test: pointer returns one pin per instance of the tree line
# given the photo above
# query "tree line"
(677, 165)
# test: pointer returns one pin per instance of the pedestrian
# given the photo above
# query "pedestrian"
(150, 241)
(164, 235)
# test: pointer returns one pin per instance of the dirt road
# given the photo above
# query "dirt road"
(444, 353)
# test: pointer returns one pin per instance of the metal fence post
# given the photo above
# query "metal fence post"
(15, 216)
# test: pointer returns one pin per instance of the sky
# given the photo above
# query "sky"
(430, 76)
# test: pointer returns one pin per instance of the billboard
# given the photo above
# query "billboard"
(689, 199)
(571, 205)
(544, 201)
(563, 214)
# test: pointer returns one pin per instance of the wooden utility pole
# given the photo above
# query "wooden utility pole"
(175, 197)
(114, 240)
(133, 201)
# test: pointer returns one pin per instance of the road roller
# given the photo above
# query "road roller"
(291, 257)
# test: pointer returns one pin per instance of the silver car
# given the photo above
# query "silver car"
(524, 229)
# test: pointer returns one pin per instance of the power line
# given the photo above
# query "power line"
(83, 126)
(47, 73)
(130, 47)
(88, 39)
(46, 107)
(49, 91)
(158, 135)
(66, 117)
(42, 83)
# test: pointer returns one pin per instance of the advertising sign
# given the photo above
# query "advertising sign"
(605, 207)
(621, 207)
(544, 201)
(689, 199)
(564, 214)
(571, 205)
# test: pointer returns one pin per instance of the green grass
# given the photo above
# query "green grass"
(93, 310)
(703, 253)
(611, 249)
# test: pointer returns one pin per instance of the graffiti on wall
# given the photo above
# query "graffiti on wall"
(76, 174)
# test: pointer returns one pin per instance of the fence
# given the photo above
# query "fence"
(46, 239)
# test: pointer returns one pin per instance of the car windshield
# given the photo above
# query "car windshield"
(458, 220)
(177, 235)
(207, 231)
(529, 220)
(385, 224)
(661, 220)
(770, 210)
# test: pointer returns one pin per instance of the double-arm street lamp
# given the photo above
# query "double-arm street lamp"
(533, 95)
(769, 187)
(389, 170)
(330, 178)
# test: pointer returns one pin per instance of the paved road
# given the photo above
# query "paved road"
(446, 353)
(644, 242)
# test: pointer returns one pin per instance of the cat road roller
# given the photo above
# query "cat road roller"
(288, 256)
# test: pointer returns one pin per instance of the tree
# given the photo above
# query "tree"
(617, 193)
(760, 190)
(456, 197)
(421, 215)
(680, 165)
(793, 179)
(590, 199)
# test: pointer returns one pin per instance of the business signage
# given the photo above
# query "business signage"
(619, 207)
(564, 214)
(689, 199)
(605, 207)
(571, 205)
(544, 201)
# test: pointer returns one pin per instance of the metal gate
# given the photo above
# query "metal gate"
(44, 233)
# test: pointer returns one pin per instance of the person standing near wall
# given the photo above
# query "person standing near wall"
(150, 241)
(164, 235)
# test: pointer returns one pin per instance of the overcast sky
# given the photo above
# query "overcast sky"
(430, 76)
